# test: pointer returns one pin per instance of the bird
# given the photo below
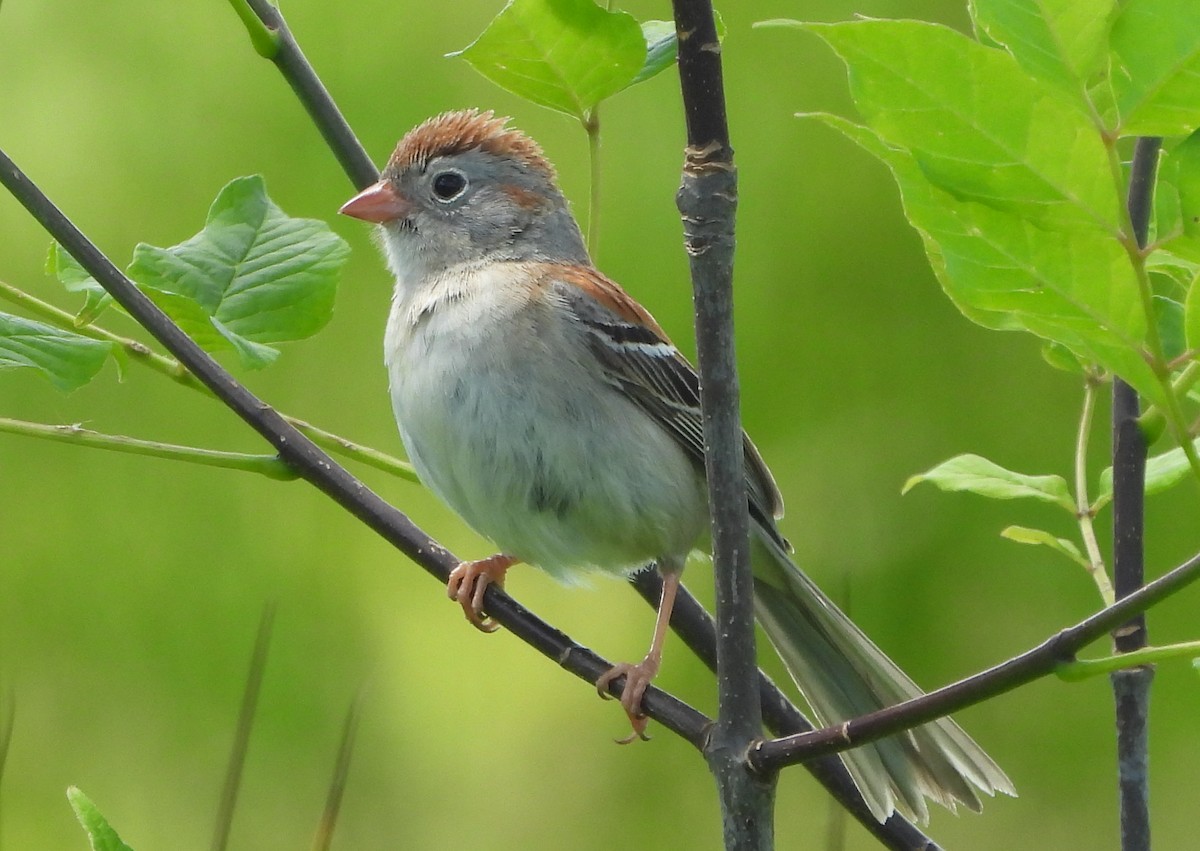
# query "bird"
(551, 412)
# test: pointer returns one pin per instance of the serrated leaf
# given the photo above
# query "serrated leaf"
(1040, 537)
(1155, 63)
(1074, 286)
(978, 475)
(564, 54)
(1163, 472)
(68, 360)
(986, 132)
(252, 277)
(100, 833)
(75, 279)
(1061, 42)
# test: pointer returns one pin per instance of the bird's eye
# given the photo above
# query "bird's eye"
(448, 185)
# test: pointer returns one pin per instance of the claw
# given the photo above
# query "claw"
(469, 581)
(637, 680)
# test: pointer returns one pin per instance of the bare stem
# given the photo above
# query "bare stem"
(707, 201)
(266, 465)
(1037, 662)
(138, 352)
(1083, 509)
(1082, 669)
(592, 127)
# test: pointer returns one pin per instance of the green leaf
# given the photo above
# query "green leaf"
(1156, 67)
(978, 126)
(1168, 316)
(1061, 42)
(100, 832)
(1040, 537)
(75, 279)
(68, 360)
(1073, 286)
(662, 46)
(565, 54)
(1162, 473)
(1060, 357)
(1179, 187)
(661, 49)
(252, 277)
(979, 475)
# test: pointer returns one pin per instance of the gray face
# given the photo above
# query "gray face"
(471, 205)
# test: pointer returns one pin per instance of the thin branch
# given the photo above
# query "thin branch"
(1017, 671)
(592, 127)
(1082, 669)
(693, 624)
(1083, 509)
(1131, 688)
(309, 89)
(897, 832)
(265, 465)
(323, 472)
(707, 201)
(140, 353)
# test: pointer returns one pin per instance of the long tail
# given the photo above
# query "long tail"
(842, 675)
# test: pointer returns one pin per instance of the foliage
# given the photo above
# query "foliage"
(1007, 149)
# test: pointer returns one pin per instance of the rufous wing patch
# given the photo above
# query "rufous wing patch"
(609, 293)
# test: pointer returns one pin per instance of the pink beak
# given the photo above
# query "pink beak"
(379, 203)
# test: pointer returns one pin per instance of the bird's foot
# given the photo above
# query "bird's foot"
(637, 679)
(470, 580)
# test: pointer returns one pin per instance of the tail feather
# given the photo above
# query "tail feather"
(842, 675)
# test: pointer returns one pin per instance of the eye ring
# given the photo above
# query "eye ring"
(448, 185)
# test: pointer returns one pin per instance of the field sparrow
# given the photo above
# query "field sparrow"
(549, 409)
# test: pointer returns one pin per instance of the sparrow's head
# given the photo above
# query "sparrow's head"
(462, 187)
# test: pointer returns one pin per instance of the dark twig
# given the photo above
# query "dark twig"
(323, 472)
(690, 618)
(245, 723)
(693, 624)
(278, 45)
(1131, 688)
(707, 201)
(1017, 671)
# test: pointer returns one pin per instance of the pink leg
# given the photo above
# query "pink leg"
(638, 676)
(470, 579)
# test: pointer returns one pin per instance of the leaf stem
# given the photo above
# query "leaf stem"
(1081, 669)
(591, 126)
(1083, 510)
(171, 368)
(267, 465)
(265, 40)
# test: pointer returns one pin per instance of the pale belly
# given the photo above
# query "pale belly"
(554, 466)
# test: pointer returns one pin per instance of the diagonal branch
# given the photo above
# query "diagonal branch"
(695, 626)
(315, 466)
(1017, 671)
(689, 620)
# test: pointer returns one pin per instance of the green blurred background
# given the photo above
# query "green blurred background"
(130, 589)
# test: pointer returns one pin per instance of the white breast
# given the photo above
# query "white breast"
(507, 419)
